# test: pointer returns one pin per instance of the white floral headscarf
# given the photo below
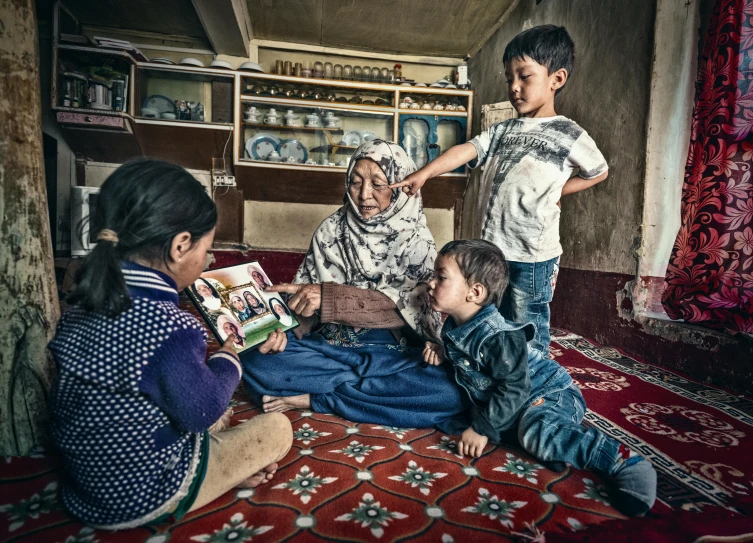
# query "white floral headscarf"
(392, 252)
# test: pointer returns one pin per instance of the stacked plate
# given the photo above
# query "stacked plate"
(221, 64)
(189, 61)
(268, 147)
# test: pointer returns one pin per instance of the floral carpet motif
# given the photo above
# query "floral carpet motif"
(346, 481)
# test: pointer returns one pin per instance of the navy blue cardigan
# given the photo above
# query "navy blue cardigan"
(132, 401)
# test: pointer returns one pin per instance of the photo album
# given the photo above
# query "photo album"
(232, 300)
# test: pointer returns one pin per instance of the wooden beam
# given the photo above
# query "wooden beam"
(416, 59)
(227, 25)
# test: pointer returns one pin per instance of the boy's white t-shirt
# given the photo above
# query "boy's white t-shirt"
(527, 162)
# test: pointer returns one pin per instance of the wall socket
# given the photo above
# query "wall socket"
(224, 180)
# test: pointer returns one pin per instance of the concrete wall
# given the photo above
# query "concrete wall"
(607, 94)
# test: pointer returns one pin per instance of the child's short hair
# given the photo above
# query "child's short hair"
(481, 261)
(549, 45)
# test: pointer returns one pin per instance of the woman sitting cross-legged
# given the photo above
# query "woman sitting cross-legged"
(361, 296)
(138, 413)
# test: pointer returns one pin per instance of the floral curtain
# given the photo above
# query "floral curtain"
(710, 275)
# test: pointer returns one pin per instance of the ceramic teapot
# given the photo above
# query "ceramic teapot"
(291, 119)
(271, 117)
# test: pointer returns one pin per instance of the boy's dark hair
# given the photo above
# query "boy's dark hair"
(146, 203)
(482, 262)
(549, 45)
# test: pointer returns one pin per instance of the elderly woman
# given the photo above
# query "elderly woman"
(360, 294)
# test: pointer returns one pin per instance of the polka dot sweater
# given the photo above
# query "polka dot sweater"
(132, 401)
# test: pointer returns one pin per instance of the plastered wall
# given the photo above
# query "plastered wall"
(607, 94)
(273, 225)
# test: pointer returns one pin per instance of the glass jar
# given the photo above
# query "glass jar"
(366, 71)
(385, 75)
(348, 72)
(318, 69)
(357, 73)
(376, 74)
(337, 72)
(391, 77)
(328, 70)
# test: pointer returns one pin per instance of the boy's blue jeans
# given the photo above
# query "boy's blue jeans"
(550, 430)
(528, 296)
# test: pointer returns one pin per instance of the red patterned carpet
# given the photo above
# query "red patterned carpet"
(344, 481)
(363, 482)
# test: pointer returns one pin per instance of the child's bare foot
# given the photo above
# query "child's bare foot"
(260, 477)
(280, 404)
(223, 423)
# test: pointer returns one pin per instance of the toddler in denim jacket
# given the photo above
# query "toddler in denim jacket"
(514, 387)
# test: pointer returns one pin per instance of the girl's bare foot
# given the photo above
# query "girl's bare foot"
(223, 423)
(260, 477)
(280, 404)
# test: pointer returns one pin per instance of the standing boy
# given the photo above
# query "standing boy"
(514, 388)
(529, 163)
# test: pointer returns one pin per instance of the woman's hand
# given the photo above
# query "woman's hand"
(276, 343)
(472, 443)
(306, 298)
(433, 354)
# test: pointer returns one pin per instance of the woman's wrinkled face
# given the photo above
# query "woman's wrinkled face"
(369, 188)
(277, 308)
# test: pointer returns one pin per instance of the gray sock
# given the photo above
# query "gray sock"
(635, 486)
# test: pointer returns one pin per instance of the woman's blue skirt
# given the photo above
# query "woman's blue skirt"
(363, 376)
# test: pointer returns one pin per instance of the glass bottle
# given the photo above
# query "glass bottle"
(376, 74)
(357, 73)
(318, 69)
(347, 72)
(366, 73)
(328, 70)
(337, 72)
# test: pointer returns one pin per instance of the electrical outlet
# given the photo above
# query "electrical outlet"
(224, 181)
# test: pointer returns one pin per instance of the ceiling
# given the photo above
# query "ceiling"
(419, 27)
(172, 17)
(416, 27)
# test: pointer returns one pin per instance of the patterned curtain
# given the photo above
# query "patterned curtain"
(709, 280)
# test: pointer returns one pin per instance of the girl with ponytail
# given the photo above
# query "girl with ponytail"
(141, 420)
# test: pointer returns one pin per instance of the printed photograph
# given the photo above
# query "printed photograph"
(232, 300)
(206, 293)
(280, 311)
(258, 276)
(227, 325)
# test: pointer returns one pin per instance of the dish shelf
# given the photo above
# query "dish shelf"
(292, 128)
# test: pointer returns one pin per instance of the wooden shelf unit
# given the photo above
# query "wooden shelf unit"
(193, 144)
